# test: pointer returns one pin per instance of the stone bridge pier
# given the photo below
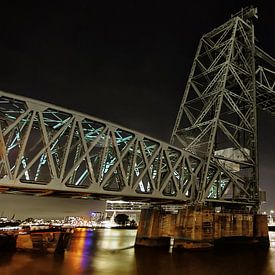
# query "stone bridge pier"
(191, 228)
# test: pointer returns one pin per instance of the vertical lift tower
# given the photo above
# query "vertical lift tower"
(217, 121)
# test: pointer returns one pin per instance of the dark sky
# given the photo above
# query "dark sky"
(123, 61)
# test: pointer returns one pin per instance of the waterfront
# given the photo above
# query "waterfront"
(111, 251)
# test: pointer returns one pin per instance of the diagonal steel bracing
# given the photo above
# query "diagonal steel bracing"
(50, 150)
(217, 118)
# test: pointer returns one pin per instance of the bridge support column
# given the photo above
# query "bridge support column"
(261, 230)
(200, 229)
(150, 229)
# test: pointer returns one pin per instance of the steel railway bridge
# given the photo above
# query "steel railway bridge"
(212, 156)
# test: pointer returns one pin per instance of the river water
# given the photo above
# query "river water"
(109, 251)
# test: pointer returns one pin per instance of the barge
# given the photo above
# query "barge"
(36, 239)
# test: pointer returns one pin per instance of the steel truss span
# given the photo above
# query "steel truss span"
(50, 150)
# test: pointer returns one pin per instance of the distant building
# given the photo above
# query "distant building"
(132, 209)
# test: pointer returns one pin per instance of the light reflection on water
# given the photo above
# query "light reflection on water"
(111, 251)
(272, 248)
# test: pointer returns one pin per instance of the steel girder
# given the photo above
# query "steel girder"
(50, 150)
(265, 81)
(217, 118)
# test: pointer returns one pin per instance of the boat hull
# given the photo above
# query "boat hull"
(47, 242)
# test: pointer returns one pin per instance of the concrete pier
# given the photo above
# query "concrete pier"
(191, 228)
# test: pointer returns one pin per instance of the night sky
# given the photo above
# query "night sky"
(123, 61)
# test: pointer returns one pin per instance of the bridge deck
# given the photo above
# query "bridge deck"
(49, 150)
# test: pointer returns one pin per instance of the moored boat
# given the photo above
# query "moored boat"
(49, 240)
(44, 238)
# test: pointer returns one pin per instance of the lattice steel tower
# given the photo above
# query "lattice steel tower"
(217, 119)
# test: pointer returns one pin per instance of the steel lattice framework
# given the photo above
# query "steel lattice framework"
(265, 81)
(50, 150)
(217, 119)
